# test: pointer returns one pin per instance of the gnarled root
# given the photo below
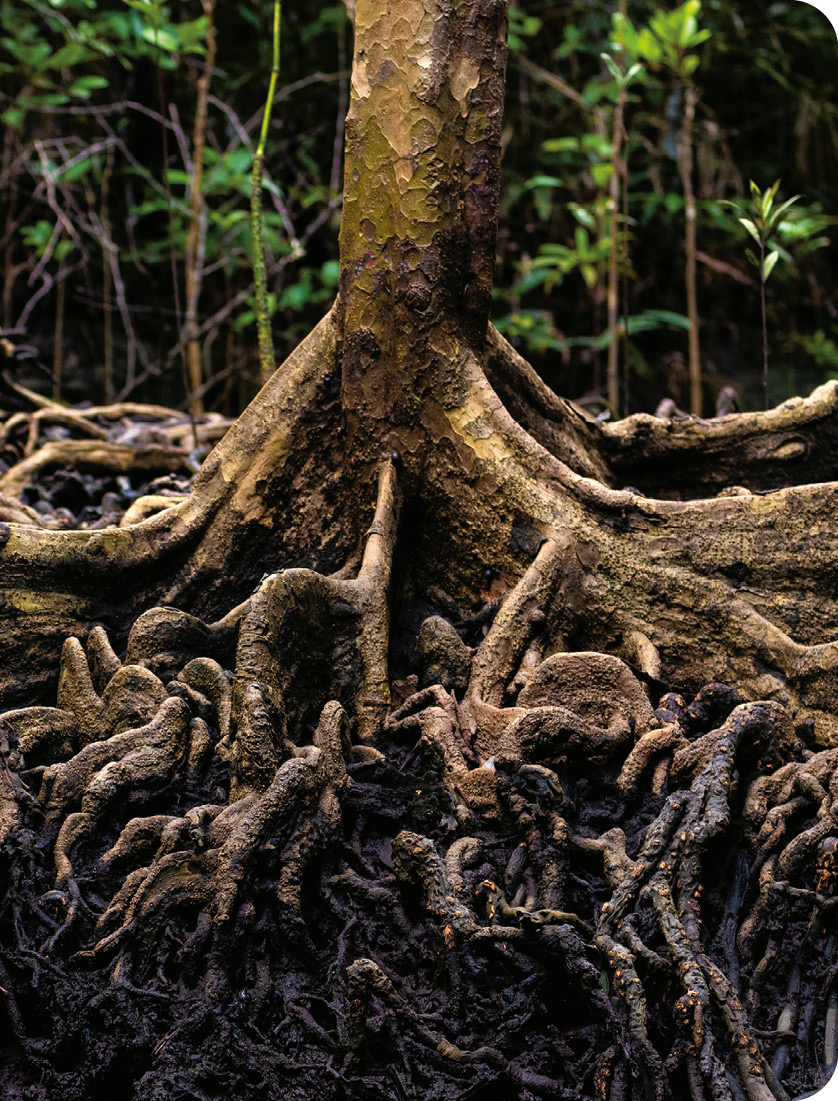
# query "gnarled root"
(526, 830)
(171, 720)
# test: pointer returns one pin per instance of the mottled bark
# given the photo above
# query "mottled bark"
(420, 208)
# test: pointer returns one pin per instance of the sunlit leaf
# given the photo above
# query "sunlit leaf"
(768, 266)
(612, 67)
(751, 228)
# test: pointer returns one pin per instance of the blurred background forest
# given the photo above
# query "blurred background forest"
(129, 132)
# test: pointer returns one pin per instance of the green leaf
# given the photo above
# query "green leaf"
(601, 174)
(178, 176)
(596, 146)
(38, 235)
(781, 209)
(649, 48)
(165, 40)
(751, 228)
(813, 244)
(13, 117)
(697, 38)
(752, 258)
(589, 274)
(240, 160)
(69, 55)
(689, 65)
(768, 265)
(86, 85)
(583, 216)
(193, 35)
(612, 67)
(654, 319)
(78, 170)
(330, 273)
(544, 181)
(560, 145)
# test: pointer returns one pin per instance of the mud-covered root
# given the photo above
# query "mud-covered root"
(295, 820)
(91, 776)
(630, 990)
(206, 858)
(367, 979)
(13, 793)
(608, 703)
(165, 640)
(667, 875)
(42, 734)
(431, 717)
(170, 710)
(522, 703)
(655, 746)
(130, 761)
(309, 638)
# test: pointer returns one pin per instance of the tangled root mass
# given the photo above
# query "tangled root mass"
(239, 860)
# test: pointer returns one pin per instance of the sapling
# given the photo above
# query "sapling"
(762, 222)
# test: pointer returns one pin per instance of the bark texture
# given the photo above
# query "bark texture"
(431, 692)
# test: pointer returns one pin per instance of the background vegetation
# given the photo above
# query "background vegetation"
(130, 129)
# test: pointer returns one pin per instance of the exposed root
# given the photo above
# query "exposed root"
(209, 816)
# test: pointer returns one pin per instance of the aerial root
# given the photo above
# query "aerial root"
(340, 629)
(93, 455)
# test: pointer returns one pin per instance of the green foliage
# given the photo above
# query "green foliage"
(78, 97)
(559, 178)
(820, 349)
(52, 47)
(762, 222)
(521, 26)
(93, 187)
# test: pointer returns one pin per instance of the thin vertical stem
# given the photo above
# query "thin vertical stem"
(764, 323)
(597, 293)
(107, 282)
(613, 291)
(193, 252)
(267, 362)
(685, 167)
(58, 343)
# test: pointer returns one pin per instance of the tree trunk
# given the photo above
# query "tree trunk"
(406, 483)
